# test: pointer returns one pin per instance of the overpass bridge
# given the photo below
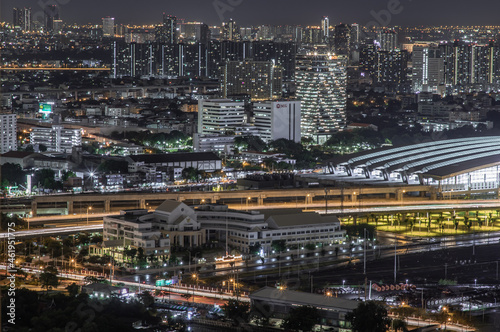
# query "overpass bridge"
(81, 203)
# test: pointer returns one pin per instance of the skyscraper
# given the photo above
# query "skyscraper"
(22, 18)
(108, 27)
(321, 87)
(325, 28)
(343, 39)
(51, 13)
(230, 31)
(260, 79)
(428, 69)
(167, 32)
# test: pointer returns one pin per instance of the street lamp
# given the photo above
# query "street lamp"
(195, 276)
(88, 208)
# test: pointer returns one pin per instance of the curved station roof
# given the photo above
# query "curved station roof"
(437, 160)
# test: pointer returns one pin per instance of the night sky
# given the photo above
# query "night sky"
(275, 12)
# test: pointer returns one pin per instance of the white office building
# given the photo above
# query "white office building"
(277, 119)
(321, 81)
(213, 143)
(218, 116)
(57, 138)
(8, 132)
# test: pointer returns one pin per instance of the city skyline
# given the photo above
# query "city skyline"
(258, 12)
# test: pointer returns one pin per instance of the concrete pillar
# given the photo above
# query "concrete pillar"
(69, 206)
(142, 203)
(107, 205)
(354, 198)
(388, 196)
(260, 200)
(33, 208)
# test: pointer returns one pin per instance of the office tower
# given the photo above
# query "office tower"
(16, 19)
(58, 26)
(342, 40)
(108, 27)
(367, 58)
(167, 31)
(230, 31)
(8, 132)
(51, 13)
(261, 80)
(428, 69)
(57, 138)
(220, 116)
(388, 40)
(22, 18)
(325, 28)
(277, 119)
(392, 68)
(355, 32)
(321, 87)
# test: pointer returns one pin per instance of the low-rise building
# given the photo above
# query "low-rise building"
(332, 310)
(204, 161)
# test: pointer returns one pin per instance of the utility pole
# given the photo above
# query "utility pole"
(364, 251)
(395, 257)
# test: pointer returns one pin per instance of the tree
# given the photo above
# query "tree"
(48, 278)
(113, 166)
(147, 299)
(238, 312)
(11, 175)
(369, 316)
(73, 289)
(46, 178)
(255, 249)
(399, 325)
(301, 319)
(278, 245)
(190, 173)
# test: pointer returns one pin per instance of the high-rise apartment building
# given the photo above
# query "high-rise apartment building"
(261, 80)
(277, 120)
(321, 87)
(392, 67)
(167, 31)
(57, 138)
(220, 116)
(230, 31)
(8, 132)
(108, 27)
